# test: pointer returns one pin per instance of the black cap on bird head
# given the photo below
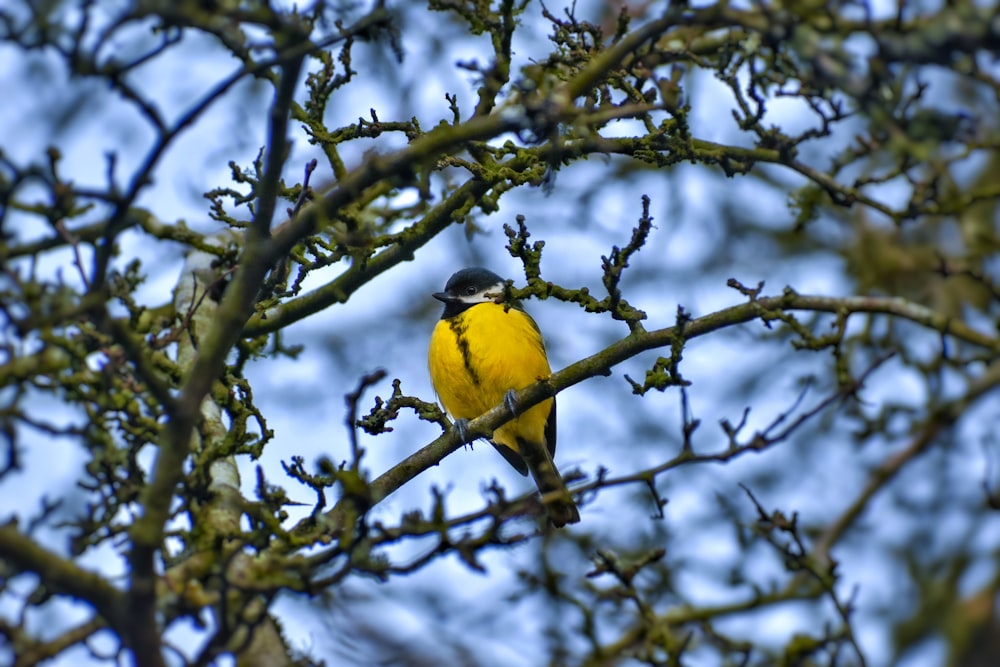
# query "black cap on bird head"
(469, 287)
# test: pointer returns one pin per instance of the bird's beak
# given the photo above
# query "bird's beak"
(444, 296)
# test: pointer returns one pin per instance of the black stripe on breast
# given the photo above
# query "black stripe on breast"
(458, 327)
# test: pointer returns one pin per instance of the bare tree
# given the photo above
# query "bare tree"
(843, 512)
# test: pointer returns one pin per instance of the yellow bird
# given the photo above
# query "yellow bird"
(483, 350)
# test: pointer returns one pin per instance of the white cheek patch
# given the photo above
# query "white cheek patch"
(492, 294)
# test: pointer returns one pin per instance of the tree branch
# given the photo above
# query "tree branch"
(602, 362)
(63, 576)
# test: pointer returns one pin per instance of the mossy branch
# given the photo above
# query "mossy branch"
(602, 363)
(62, 575)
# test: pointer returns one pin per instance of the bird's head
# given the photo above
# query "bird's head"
(471, 286)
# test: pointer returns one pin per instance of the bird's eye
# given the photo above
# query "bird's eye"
(470, 290)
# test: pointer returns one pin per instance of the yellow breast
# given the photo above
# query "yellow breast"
(480, 354)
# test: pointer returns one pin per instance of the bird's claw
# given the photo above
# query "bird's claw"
(462, 426)
(510, 402)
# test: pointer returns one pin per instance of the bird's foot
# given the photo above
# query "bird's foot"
(462, 426)
(510, 402)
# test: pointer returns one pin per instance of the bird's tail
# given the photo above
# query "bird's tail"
(558, 502)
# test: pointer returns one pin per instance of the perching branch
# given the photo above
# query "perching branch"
(604, 361)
